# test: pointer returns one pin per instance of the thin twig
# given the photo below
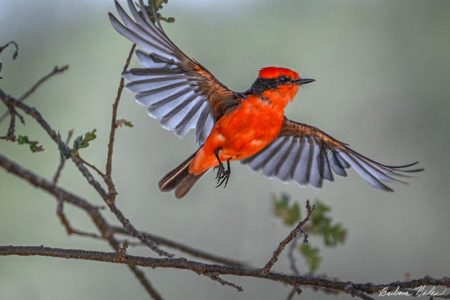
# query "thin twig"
(60, 205)
(123, 250)
(15, 53)
(215, 276)
(93, 167)
(294, 291)
(293, 234)
(62, 161)
(12, 123)
(291, 256)
(111, 187)
(12, 112)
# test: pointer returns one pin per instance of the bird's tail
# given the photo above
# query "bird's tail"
(179, 179)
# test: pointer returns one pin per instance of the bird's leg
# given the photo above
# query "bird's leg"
(223, 175)
(219, 167)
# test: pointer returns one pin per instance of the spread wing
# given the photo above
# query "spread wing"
(307, 155)
(175, 89)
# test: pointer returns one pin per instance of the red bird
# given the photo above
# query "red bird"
(249, 126)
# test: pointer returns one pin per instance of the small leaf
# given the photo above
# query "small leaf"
(34, 145)
(289, 214)
(311, 255)
(123, 122)
(22, 139)
(88, 137)
(82, 142)
(158, 6)
(321, 224)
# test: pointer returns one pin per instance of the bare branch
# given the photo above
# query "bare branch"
(62, 161)
(102, 175)
(15, 53)
(294, 291)
(215, 277)
(291, 257)
(204, 269)
(111, 188)
(13, 114)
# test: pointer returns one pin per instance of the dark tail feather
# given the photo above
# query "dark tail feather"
(179, 179)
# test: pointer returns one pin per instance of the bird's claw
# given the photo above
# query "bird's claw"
(223, 174)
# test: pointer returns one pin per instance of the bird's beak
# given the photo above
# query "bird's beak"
(304, 81)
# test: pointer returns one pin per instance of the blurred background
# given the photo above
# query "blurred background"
(383, 85)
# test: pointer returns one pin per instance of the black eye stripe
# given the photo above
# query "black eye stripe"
(262, 84)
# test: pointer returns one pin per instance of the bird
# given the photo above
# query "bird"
(249, 126)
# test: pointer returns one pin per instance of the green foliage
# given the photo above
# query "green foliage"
(158, 5)
(82, 142)
(124, 122)
(320, 225)
(34, 145)
(289, 214)
(311, 255)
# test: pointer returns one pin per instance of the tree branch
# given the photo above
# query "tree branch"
(204, 269)
(108, 179)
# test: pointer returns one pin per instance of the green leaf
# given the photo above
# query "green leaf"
(34, 145)
(158, 5)
(289, 214)
(311, 255)
(22, 140)
(124, 122)
(322, 225)
(82, 142)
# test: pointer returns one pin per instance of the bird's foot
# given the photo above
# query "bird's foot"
(223, 174)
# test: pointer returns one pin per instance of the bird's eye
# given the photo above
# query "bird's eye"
(283, 78)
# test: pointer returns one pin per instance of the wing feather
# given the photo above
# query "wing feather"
(303, 168)
(176, 90)
(307, 155)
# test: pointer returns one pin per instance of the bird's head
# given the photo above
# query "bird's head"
(281, 80)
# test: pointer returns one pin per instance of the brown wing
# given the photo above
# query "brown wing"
(307, 155)
(175, 89)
